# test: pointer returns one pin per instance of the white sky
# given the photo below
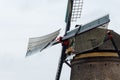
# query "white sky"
(21, 19)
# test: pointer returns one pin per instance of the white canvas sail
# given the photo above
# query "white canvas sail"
(40, 43)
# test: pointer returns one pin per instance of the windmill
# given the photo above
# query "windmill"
(91, 40)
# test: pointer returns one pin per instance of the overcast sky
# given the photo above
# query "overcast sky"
(21, 19)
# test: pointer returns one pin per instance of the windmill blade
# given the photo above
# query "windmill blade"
(96, 23)
(69, 11)
(74, 10)
(68, 23)
(40, 43)
(60, 64)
